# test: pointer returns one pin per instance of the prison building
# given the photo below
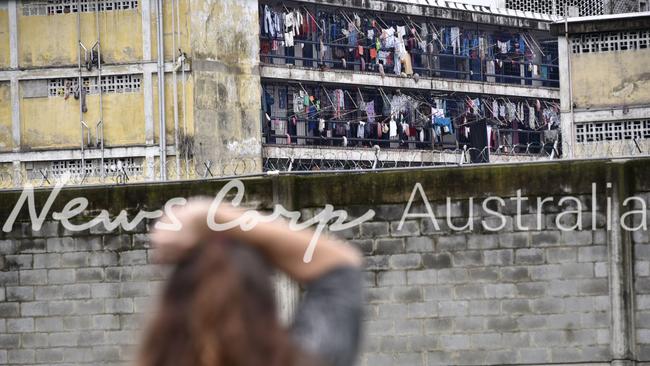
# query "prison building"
(417, 82)
(87, 86)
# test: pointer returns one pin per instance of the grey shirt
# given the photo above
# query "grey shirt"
(328, 320)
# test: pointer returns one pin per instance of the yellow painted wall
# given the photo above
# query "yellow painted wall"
(4, 39)
(123, 118)
(52, 40)
(611, 78)
(6, 140)
(170, 53)
(53, 122)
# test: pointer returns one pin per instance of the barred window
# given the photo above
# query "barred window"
(110, 84)
(92, 167)
(585, 7)
(611, 41)
(52, 7)
(612, 131)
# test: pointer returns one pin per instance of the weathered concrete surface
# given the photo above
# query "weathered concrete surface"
(285, 72)
(225, 47)
(450, 11)
(433, 296)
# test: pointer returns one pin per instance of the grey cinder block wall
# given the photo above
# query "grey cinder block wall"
(434, 296)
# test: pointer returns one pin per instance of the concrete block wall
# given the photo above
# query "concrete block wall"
(441, 297)
(76, 300)
(434, 297)
(641, 242)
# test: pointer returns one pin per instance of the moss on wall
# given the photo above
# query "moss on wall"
(351, 189)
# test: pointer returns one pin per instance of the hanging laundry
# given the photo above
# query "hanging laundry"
(489, 136)
(455, 40)
(388, 38)
(339, 101)
(370, 111)
(504, 47)
(401, 32)
(382, 57)
(532, 118)
(405, 129)
(361, 129)
(437, 113)
(397, 64)
(407, 63)
(289, 23)
(482, 47)
(277, 125)
(490, 70)
(269, 25)
(445, 124)
(392, 128)
(288, 39)
(511, 111)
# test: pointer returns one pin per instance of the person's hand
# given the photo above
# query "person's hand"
(169, 244)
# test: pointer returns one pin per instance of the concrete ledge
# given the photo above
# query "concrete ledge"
(613, 114)
(450, 10)
(287, 72)
(75, 154)
(367, 154)
(73, 72)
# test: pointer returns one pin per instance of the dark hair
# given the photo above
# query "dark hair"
(218, 309)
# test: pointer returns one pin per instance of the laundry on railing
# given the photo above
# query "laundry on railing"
(362, 41)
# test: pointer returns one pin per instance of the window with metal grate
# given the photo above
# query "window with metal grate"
(610, 41)
(558, 7)
(612, 131)
(52, 7)
(132, 167)
(110, 84)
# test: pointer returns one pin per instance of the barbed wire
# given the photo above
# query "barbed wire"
(327, 158)
(294, 158)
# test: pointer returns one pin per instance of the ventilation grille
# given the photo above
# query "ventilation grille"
(132, 167)
(110, 84)
(612, 131)
(557, 7)
(610, 42)
(52, 7)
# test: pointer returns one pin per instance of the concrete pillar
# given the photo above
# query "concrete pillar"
(227, 95)
(17, 174)
(147, 88)
(146, 29)
(147, 91)
(287, 291)
(15, 113)
(287, 294)
(13, 33)
(13, 63)
(621, 273)
(566, 118)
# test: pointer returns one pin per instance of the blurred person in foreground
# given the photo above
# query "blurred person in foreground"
(218, 307)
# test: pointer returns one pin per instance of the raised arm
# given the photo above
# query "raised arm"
(282, 246)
